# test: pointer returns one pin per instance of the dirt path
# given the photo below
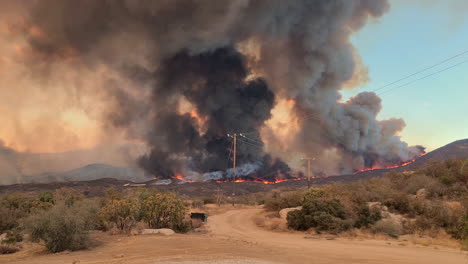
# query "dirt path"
(238, 225)
(234, 238)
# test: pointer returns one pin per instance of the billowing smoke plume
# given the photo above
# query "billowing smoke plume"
(214, 84)
(182, 74)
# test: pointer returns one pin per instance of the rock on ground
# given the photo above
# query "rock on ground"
(160, 231)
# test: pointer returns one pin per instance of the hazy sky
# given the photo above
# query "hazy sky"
(413, 36)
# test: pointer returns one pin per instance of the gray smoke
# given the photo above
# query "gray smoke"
(229, 62)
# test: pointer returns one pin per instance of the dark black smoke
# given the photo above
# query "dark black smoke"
(214, 82)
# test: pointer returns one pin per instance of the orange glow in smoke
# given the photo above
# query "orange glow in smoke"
(283, 124)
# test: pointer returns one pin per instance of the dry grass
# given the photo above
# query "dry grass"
(213, 209)
(8, 249)
(270, 221)
(432, 238)
(437, 238)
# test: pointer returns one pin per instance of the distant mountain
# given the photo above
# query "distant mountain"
(455, 150)
(88, 173)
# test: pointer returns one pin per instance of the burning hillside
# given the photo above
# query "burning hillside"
(180, 76)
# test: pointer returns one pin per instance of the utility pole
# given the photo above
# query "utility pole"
(234, 157)
(218, 196)
(308, 170)
(234, 153)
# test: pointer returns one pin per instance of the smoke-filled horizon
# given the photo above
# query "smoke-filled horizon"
(180, 75)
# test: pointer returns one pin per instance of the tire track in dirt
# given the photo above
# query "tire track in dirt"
(238, 225)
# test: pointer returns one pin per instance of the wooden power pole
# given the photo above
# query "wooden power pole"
(234, 153)
(308, 170)
(234, 157)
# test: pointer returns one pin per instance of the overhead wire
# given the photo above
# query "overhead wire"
(424, 77)
(421, 71)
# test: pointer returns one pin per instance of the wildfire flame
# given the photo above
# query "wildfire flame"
(181, 178)
(261, 181)
(391, 166)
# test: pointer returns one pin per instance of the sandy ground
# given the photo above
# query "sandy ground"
(234, 238)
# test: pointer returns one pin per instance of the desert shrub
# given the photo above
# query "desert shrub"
(165, 210)
(319, 213)
(121, 214)
(280, 200)
(13, 236)
(12, 209)
(415, 182)
(9, 218)
(398, 202)
(46, 197)
(197, 204)
(460, 229)
(112, 193)
(8, 249)
(44, 201)
(388, 227)
(366, 216)
(68, 196)
(208, 200)
(61, 228)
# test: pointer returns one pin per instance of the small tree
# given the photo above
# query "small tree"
(165, 210)
(120, 213)
(61, 228)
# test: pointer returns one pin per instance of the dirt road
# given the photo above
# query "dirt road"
(294, 248)
(234, 238)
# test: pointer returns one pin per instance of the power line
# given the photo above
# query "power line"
(424, 77)
(249, 143)
(251, 139)
(423, 70)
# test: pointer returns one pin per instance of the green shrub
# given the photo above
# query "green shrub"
(460, 230)
(280, 200)
(61, 228)
(165, 210)
(46, 197)
(319, 213)
(367, 216)
(121, 214)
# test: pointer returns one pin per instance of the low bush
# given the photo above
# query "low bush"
(278, 200)
(68, 196)
(61, 228)
(8, 249)
(121, 214)
(319, 213)
(9, 218)
(388, 227)
(366, 216)
(165, 210)
(460, 230)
